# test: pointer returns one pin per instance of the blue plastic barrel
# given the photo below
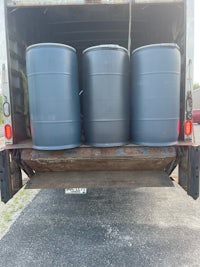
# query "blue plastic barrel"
(106, 96)
(53, 96)
(155, 101)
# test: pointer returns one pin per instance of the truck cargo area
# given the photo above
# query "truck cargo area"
(82, 26)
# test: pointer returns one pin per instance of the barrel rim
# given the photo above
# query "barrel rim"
(50, 44)
(161, 45)
(105, 46)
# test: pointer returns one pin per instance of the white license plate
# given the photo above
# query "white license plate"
(78, 191)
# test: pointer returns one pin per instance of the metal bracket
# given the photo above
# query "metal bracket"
(193, 179)
(189, 167)
(172, 165)
(10, 174)
(22, 164)
(6, 187)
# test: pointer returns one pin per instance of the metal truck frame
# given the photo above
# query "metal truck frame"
(83, 23)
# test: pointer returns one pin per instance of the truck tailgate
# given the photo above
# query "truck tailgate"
(99, 179)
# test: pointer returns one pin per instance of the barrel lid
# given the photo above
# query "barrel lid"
(105, 46)
(50, 44)
(169, 45)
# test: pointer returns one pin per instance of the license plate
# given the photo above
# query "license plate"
(78, 191)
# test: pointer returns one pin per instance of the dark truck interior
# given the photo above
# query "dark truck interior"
(82, 26)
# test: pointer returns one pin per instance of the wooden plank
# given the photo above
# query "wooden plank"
(100, 179)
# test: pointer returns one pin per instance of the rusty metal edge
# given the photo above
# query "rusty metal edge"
(29, 3)
(100, 179)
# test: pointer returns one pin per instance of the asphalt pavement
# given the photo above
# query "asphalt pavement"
(124, 227)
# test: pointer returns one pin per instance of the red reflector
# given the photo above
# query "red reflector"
(8, 131)
(178, 127)
(188, 127)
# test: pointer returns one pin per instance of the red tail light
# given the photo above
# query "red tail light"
(8, 131)
(188, 127)
(178, 127)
